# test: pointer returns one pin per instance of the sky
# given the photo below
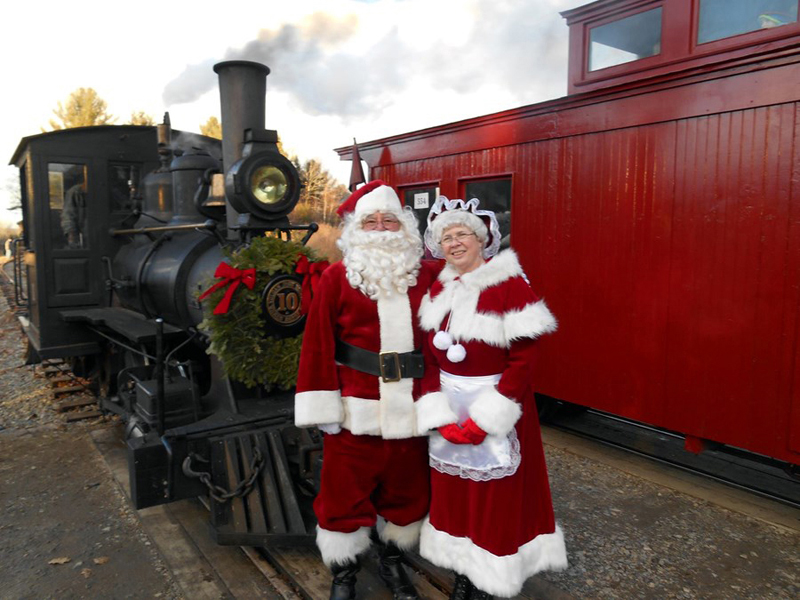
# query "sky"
(340, 69)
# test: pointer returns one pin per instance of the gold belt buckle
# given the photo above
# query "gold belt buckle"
(381, 363)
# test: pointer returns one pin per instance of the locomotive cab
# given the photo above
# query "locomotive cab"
(75, 185)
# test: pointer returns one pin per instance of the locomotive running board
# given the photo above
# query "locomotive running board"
(269, 512)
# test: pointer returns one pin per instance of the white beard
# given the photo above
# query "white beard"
(381, 262)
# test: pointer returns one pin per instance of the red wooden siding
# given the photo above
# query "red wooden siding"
(671, 254)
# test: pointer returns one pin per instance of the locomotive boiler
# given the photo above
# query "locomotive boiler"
(124, 227)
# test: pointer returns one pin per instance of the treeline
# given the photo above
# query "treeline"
(321, 193)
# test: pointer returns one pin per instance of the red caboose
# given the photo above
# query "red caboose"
(656, 208)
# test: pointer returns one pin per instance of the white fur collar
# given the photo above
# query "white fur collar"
(502, 267)
(460, 300)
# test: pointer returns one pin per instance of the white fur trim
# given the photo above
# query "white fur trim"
(397, 335)
(315, 407)
(494, 413)
(502, 267)
(340, 548)
(462, 296)
(404, 537)
(362, 416)
(382, 198)
(501, 576)
(433, 410)
(530, 322)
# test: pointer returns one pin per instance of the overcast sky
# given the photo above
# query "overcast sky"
(340, 68)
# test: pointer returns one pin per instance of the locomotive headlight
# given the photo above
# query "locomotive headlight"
(264, 184)
(269, 184)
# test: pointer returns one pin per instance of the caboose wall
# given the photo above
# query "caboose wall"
(662, 226)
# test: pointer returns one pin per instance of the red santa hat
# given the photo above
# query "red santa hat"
(373, 197)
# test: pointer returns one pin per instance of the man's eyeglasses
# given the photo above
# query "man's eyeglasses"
(388, 222)
(459, 237)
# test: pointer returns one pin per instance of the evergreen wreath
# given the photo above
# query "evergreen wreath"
(239, 337)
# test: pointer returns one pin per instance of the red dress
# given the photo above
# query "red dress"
(491, 515)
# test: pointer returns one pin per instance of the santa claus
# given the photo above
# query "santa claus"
(359, 379)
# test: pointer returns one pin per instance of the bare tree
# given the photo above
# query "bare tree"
(321, 193)
(83, 108)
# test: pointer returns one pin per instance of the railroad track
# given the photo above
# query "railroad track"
(291, 572)
(72, 395)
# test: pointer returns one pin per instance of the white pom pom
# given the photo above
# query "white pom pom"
(442, 340)
(456, 353)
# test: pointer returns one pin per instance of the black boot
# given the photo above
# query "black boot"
(343, 586)
(462, 589)
(479, 595)
(394, 575)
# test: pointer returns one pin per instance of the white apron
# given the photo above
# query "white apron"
(494, 458)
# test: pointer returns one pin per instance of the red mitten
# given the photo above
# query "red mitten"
(453, 434)
(472, 433)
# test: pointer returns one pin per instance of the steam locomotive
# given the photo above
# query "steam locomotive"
(123, 228)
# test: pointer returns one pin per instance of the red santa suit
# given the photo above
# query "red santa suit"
(491, 516)
(378, 465)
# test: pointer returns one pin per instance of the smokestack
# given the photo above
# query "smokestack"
(242, 93)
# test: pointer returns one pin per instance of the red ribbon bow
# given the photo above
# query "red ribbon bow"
(312, 272)
(233, 276)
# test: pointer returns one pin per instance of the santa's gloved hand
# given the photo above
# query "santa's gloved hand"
(472, 433)
(330, 428)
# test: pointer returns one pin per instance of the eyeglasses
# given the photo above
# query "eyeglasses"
(448, 240)
(388, 222)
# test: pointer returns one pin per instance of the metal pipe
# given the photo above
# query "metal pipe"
(242, 92)
(160, 373)
(145, 230)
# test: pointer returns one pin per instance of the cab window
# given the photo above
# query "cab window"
(67, 184)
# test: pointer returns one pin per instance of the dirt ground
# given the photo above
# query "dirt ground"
(66, 530)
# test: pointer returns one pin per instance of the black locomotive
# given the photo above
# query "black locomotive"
(123, 227)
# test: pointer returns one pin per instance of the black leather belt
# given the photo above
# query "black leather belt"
(389, 366)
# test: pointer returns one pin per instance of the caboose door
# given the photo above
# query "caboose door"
(70, 223)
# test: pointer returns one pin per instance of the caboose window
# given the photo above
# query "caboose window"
(625, 40)
(495, 195)
(420, 199)
(725, 18)
(68, 215)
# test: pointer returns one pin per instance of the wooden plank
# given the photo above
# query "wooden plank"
(67, 389)
(275, 579)
(305, 568)
(80, 416)
(230, 563)
(67, 404)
